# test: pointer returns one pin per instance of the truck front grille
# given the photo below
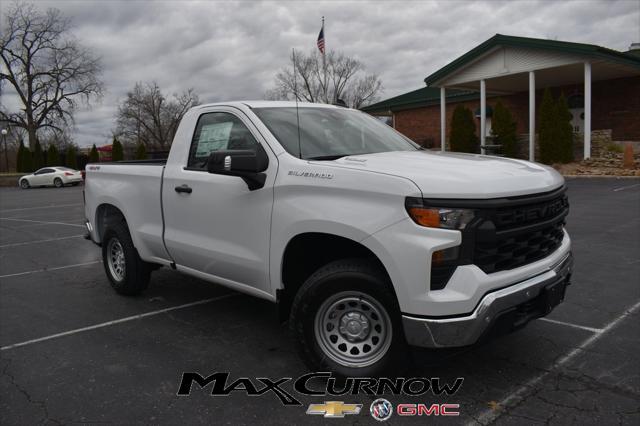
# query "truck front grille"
(512, 236)
(513, 249)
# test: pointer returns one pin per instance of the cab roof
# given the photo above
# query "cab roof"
(270, 104)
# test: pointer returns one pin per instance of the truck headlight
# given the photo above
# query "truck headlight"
(438, 217)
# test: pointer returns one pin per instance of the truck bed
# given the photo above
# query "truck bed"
(134, 187)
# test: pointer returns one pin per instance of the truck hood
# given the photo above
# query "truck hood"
(456, 175)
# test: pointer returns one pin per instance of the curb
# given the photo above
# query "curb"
(600, 176)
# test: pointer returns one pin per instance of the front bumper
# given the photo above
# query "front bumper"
(514, 306)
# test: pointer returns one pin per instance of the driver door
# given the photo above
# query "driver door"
(43, 177)
(214, 225)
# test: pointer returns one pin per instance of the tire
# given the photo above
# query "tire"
(350, 303)
(24, 184)
(129, 275)
(58, 183)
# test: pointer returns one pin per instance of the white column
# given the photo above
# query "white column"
(532, 115)
(587, 110)
(443, 119)
(483, 113)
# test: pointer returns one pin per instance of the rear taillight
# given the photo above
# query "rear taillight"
(68, 174)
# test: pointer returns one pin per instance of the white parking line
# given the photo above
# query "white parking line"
(622, 188)
(490, 415)
(118, 321)
(52, 206)
(568, 324)
(49, 269)
(42, 221)
(40, 241)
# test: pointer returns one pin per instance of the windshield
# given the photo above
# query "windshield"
(330, 133)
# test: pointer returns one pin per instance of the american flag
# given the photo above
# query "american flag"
(321, 39)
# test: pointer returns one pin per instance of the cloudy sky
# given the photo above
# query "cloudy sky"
(231, 50)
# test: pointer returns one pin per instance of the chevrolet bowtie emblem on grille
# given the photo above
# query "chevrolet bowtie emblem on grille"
(334, 409)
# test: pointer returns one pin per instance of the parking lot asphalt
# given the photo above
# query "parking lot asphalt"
(72, 351)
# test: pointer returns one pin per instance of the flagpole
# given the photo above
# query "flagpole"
(295, 83)
(324, 63)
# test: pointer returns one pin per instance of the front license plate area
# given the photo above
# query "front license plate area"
(553, 295)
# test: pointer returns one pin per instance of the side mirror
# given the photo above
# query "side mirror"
(247, 164)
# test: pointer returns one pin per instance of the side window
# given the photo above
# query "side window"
(44, 171)
(217, 131)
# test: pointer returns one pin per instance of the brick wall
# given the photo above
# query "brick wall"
(615, 106)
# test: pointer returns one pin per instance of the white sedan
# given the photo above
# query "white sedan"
(51, 176)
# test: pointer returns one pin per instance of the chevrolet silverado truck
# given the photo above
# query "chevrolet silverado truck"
(367, 242)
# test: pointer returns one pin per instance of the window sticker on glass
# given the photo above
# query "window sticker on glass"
(213, 137)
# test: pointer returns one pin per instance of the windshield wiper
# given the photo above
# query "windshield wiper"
(327, 157)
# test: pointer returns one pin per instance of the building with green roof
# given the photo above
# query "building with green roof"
(602, 86)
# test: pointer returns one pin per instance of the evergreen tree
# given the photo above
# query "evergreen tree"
(53, 156)
(38, 157)
(504, 129)
(117, 153)
(141, 152)
(94, 157)
(547, 128)
(564, 138)
(20, 158)
(70, 158)
(27, 160)
(463, 131)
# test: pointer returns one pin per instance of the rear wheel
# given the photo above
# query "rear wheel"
(24, 184)
(129, 275)
(58, 183)
(346, 319)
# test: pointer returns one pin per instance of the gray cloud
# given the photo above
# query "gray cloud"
(231, 50)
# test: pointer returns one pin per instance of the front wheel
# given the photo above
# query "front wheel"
(346, 319)
(58, 183)
(129, 275)
(24, 184)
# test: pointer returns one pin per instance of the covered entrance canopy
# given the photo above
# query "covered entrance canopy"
(504, 65)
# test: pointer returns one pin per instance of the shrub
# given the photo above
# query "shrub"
(546, 128)
(614, 147)
(504, 129)
(94, 157)
(141, 152)
(117, 153)
(463, 131)
(555, 131)
(564, 138)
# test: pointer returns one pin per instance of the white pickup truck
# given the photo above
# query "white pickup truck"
(366, 241)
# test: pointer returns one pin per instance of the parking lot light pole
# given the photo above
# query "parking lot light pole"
(6, 152)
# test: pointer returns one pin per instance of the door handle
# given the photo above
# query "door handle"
(184, 188)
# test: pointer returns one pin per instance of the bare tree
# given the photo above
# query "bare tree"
(47, 67)
(337, 77)
(149, 117)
